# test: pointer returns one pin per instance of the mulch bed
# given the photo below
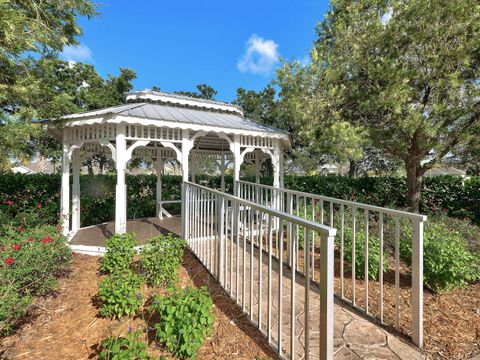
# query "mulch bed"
(66, 325)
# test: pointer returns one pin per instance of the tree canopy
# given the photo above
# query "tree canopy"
(402, 74)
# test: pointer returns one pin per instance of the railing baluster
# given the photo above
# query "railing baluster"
(269, 281)
(307, 293)
(342, 225)
(354, 234)
(366, 262)
(260, 262)
(397, 273)
(251, 263)
(280, 291)
(292, 294)
(380, 265)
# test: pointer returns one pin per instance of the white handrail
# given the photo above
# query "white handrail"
(223, 231)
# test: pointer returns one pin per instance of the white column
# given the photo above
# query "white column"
(65, 192)
(76, 191)
(258, 166)
(276, 164)
(121, 188)
(159, 169)
(222, 172)
(237, 162)
(187, 145)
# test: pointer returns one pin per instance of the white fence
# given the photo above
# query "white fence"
(389, 285)
(244, 245)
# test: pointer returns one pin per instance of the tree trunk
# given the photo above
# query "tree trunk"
(414, 183)
(352, 170)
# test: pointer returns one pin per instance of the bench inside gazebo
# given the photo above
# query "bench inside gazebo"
(272, 249)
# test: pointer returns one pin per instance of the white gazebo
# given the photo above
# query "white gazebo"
(161, 127)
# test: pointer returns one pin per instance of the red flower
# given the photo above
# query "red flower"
(20, 228)
(39, 206)
(17, 247)
(8, 261)
(30, 239)
(59, 228)
(8, 202)
(47, 239)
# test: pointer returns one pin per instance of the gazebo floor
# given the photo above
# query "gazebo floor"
(144, 229)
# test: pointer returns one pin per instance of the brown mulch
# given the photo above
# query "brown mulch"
(66, 325)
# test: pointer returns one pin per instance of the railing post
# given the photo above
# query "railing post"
(221, 238)
(417, 283)
(289, 230)
(326, 297)
(184, 212)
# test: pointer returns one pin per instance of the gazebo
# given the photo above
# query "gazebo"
(161, 127)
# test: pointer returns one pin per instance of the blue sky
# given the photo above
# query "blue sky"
(178, 44)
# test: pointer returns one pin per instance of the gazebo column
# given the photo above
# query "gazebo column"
(121, 188)
(237, 162)
(258, 166)
(76, 191)
(65, 191)
(159, 169)
(187, 145)
(222, 172)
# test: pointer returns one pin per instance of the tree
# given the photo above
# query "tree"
(405, 71)
(204, 91)
(29, 29)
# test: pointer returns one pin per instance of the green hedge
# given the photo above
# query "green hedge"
(447, 194)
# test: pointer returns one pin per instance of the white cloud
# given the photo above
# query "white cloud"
(77, 53)
(260, 56)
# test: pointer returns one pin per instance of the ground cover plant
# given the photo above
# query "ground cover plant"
(128, 347)
(161, 258)
(120, 250)
(185, 319)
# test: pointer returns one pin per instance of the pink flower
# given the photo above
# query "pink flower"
(8, 202)
(16, 247)
(20, 228)
(8, 261)
(30, 239)
(39, 206)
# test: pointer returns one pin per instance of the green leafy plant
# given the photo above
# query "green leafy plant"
(119, 294)
(161, 258)
(373, 253)
(448, 263)
(128, 347)
(120, 250)
(31, 260)
(186, 318)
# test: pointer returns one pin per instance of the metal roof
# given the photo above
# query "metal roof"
(178, 114)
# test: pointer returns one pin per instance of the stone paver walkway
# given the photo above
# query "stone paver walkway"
(354, 336)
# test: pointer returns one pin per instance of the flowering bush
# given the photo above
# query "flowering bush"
(31, 259)
(161, 258)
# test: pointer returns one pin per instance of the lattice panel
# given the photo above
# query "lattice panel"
(140, 132)
(92, 132)
(256, 141)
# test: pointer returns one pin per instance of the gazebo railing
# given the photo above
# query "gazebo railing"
(234, 238)
(371, 247)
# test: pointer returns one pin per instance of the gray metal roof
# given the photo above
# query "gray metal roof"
(177, 114)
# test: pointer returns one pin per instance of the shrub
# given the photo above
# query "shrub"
(161, 258)
(120, 295)
(120, 250)
(129, 347)
(373, 253)
(30, 262)
(448, 263)
(186, 318)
